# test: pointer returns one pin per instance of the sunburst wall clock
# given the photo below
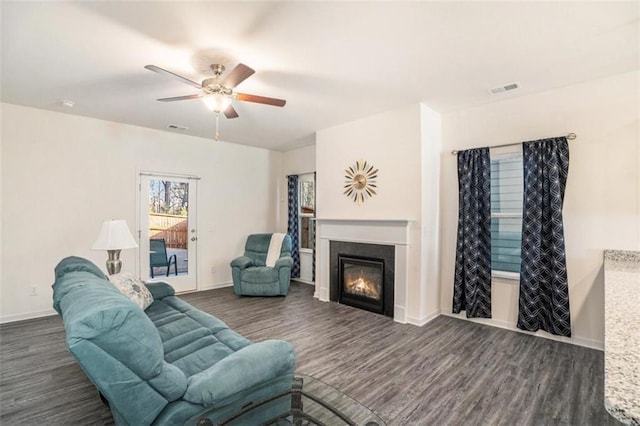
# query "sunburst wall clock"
(360, 181)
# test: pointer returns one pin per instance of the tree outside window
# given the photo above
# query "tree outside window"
(307, 213)
(168, 197)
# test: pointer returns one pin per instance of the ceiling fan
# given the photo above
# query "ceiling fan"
(217, 92)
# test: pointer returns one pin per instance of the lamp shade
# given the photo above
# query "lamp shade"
(114, 235)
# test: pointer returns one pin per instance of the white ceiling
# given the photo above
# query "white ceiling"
(332, 61)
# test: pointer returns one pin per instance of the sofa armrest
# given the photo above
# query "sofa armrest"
(242, 262)
(249, 367)
(285, 261)
(160, 289)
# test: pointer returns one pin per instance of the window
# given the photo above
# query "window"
(307, 201)
(506, 213)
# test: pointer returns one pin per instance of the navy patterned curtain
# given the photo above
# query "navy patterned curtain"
(292, 228)
(472, 284)
(544, 293)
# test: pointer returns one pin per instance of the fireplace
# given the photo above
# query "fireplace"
(361, 282)
(362, 276)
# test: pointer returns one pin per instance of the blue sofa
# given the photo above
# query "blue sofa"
(251, 276)
(170, 364)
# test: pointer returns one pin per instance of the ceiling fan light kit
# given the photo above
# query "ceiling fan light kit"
(217, 102)
(218, 94)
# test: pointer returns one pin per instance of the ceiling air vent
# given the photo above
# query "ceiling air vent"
(177, 127)
(506, 88)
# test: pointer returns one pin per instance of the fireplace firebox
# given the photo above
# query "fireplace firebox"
(361, 282)
(362, 275)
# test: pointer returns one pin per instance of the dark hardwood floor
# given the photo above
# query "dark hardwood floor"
(449, 372)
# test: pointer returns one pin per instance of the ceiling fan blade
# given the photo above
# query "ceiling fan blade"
(260, 99)
(180, 98)
(169, 73)
(237, 75)
(230, 112)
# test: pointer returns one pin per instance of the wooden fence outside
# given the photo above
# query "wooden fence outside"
(173, 228)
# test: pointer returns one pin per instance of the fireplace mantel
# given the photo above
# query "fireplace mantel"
(393, 232)
(324, 219)
(373, 231)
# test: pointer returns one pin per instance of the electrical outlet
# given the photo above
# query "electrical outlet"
(33, 291)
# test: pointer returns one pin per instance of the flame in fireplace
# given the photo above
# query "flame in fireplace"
(362, 287)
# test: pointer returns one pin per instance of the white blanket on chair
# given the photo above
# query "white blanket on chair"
(275, 245)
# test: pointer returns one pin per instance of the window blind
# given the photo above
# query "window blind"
(506, 212)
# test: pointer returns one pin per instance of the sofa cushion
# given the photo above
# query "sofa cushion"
(133, 288)
(259, 275)
(256, 248)
(159, 289)
(192, 340)
(244, 369)
(75, 273)
(74, 264)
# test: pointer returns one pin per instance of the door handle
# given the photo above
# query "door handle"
(194, 238)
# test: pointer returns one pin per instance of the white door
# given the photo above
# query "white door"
(167, 230)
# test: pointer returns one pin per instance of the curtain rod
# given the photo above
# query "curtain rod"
(570, 136)
(171, 175)
(298, 174)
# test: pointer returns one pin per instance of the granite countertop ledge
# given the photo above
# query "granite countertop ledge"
(622, 335)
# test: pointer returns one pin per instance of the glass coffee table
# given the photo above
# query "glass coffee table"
(313, 402)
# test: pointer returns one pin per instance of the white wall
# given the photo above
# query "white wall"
(431, 137)
(390, 141)
(63, 175)
(602, 200)
(294, 162)
(299, 161)
(1, 210)
(398, 143)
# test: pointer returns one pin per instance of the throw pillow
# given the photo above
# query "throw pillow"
(133, 288)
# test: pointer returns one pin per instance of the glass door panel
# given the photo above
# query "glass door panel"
(167, 230)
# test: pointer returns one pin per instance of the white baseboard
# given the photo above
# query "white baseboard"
(579, 341)
(26, 316)
(216, 285)
(319, 295)
(303, 281)
(423, 320)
